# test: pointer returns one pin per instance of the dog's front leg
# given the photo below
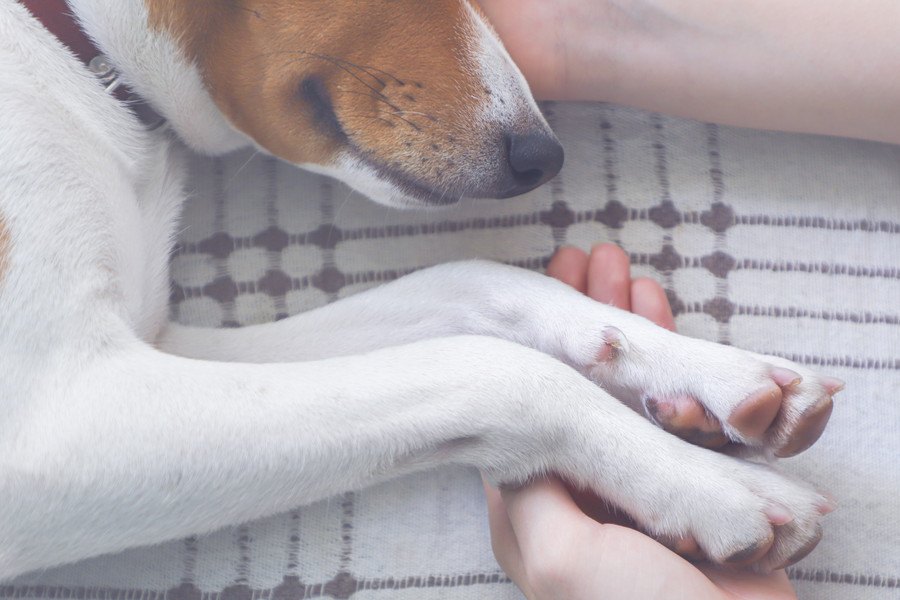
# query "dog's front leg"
(464, 298)
(764, 402)
(139, 447)
(143, 447)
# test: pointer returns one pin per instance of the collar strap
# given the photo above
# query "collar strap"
(57, 18)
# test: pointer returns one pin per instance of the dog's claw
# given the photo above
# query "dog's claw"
(832, 384)
(828, 505)
(785, 377)
(778, 515)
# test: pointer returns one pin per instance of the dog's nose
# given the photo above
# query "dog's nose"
(534, 159)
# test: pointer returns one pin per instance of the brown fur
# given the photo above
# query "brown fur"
(394, 72)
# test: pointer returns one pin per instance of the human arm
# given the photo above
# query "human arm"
(817, 67)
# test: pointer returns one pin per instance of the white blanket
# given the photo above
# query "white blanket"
(782, 244)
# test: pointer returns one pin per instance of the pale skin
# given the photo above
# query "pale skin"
(542, 535)
(823, 67)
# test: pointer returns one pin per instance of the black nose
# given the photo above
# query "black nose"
(534, 159)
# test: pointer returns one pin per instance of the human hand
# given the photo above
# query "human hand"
(547, 543)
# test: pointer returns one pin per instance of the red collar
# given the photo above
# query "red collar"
(57, 18)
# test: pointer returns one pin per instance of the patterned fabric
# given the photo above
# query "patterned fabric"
(782, 244)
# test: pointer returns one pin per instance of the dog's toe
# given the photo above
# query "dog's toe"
(685, 417)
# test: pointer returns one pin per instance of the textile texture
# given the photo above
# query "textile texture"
(781, 244)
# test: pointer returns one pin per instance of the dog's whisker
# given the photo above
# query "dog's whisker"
(367, 69)
(410, 112)
(239, 6)
(398, 112)
(337, 213)
(344, 68)
(241, 168)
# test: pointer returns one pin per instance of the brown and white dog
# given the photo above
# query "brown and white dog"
(119, 429)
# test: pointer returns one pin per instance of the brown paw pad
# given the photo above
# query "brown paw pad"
(804, 551)
(809, 428)
(686, 418)
(753, 417)
(751, 554)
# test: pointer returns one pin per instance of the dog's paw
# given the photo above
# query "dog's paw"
(786, 413)
(713, 395)
(739, 514)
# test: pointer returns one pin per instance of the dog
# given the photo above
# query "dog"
(120, 429)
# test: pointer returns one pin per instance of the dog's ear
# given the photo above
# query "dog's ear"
(408, 101)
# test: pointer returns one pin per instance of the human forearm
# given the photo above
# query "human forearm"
(820, 67)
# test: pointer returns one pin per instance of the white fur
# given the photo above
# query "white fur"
(154, 67)
(365, 180)
(117, 430)
(511, 98)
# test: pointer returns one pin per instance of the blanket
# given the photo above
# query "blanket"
(782, 244)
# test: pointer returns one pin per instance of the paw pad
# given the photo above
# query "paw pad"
(804, 551)
(753, 553)
(686, 418)
(808, 429)
(757, 420)
(753, 417)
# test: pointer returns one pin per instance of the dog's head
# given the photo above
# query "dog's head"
(411, 102)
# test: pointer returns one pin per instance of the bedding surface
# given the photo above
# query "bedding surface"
(781, 244)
